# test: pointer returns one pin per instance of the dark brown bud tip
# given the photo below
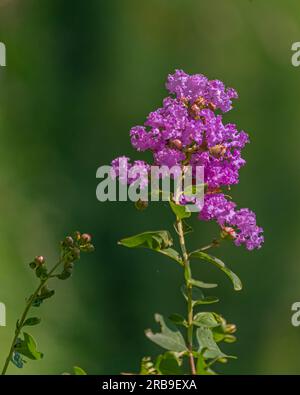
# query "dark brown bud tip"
(39, 260)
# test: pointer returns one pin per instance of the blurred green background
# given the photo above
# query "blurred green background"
(79, 74)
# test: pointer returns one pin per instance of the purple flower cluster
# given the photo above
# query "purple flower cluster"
(190, 87)
(187, 130)
(237, 224)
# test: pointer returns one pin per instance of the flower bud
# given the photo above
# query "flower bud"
(228, 232)
(185, 101)
(141, 205)
(194, 111)
(77, 236)
(217, 150)
(75, 254)
(229, 339)
(200, 102)
(69, 267)
(39, 260)
(222, 360)
(86, 238)
(230, 328)
(212, 106)
(89, 248)
(68, 241)
(176, 143)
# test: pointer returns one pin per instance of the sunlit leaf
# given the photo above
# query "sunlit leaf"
(167, 338)
(201, 284)
(27, 347)
(159, 241)
(169, 363)
(207, 319)
(237, 284)
(79, 371)
(207, 345)
(179, 211)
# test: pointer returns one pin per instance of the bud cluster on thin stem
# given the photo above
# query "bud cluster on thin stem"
(71, 247)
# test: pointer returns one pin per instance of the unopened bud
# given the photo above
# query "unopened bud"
(228, 232)
(141, 205)
(69, 266)
(39, 260)
(223, 360)
(212, 106)
(200, 102)
(194, 111)
(77, 236)
(176, 143)
(218, 150)
(68, 241)
(230, 328)
(75, 254)
(229, 339)
(86, 238)
(185, 101)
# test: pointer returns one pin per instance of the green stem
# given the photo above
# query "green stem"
(188, 277)
(24, 316)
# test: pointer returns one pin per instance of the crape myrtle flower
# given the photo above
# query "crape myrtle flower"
(240, 225)
(191, 87)
(189, 130)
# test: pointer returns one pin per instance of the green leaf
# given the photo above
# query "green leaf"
(201, 284)
(198, 296)
(159, 241)
(45, 294)
(237, 284)
(178, 319)
(32, 321)
(79, 371)
(207, 319)
(207, 345)
(27, 347)
(169, 363)
(171, 253)
(179, 211)
(153, 239)
(202, 368)
(206, 300)
(168, 339)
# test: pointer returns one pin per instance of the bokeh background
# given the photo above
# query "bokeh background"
(79, 74)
